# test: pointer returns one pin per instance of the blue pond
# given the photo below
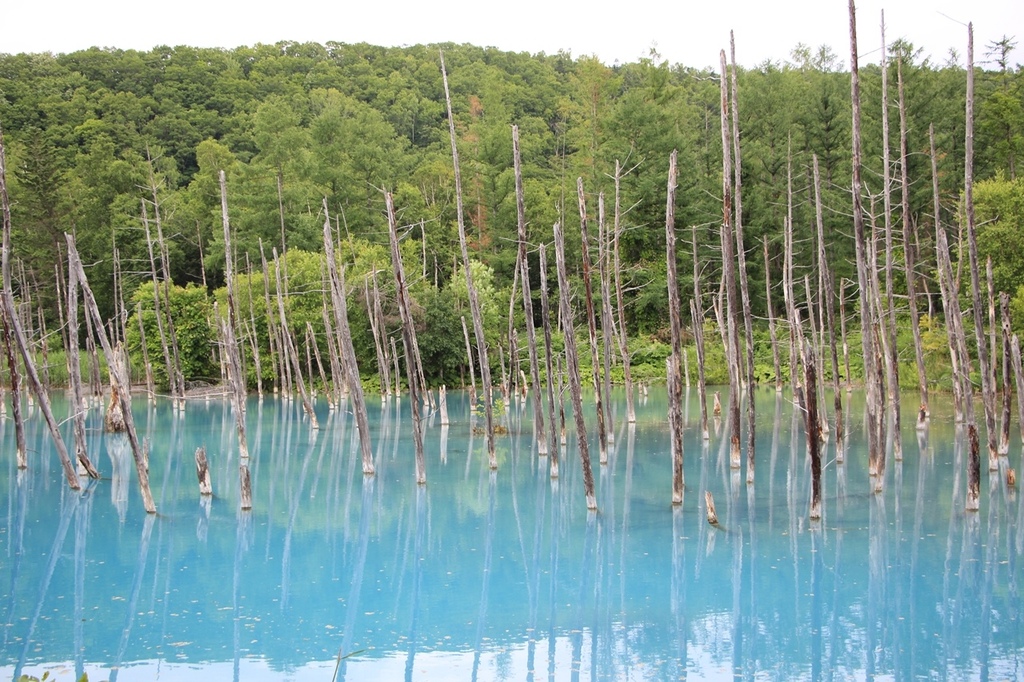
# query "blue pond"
(495, 575)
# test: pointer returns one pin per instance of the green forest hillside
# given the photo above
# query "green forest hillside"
(105, 143)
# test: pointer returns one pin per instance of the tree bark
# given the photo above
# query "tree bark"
(203, 472)
(545, 313)
(675, 413)
(829, 295)
(602, 434)
(811, 426)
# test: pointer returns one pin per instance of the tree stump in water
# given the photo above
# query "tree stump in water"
(114, 421)
(203, 472)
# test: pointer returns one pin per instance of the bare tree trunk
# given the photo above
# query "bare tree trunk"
(574, 369)
(829, 295)
(697, 315)
(119, 382)
(12, 364)
(1004, 436)
(1018, 373)
(772, 333)
(311, 341)
(469, 356)
(474, 303)
(787, 281)
(910, 254)
(602, 434)
(606, 317)
(348, 353)
(811, 426)
(237, 379)
(741, 255)
(874, 416)
(408, 341)
(289, 344)
(172, 376)
(203, 472)
(987, 389)
(279, 356)
(675, 413)
(545, 313)
(379, 336)
(623, 337)
(531, 332)
(729, 265)
(165, 262)
(75, 375)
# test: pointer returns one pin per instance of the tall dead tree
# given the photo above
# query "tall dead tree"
(12, 364)
(697, 315)
(572, 360)
(165, 264)
(623, 338)
(829, 295)
(741, 256)
(1007, 392)
(607, 323)
(732, 345)
(172, 375)
(474, 302)
(987, 384)
(602, 435)
(531, 332)
(772, 332)
(229, 325)
(289, 344)
(910, 251)
(545, 313)
(408, 341)
(349, 364)
(675, 397)
(873, 415)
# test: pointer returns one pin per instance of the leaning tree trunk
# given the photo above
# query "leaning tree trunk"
(545, 313)
(408, 341)
(172, 375)
(349, 363)
(572, 360)
(289, 344)
(474, 302)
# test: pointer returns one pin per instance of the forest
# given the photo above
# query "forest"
(123, 149)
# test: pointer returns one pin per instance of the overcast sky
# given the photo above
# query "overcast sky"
(686, 31)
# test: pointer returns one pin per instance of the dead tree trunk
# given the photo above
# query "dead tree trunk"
(203, 472)
(675, 412)
(741, 255)
(166, 267)
(12, 364)
(606, 317)
(811, 426)
(531, 332)
(289, 346)
(772, 333)
(874, 416)
(1004, 436)
(987, 388)
(75, 372)
(572, 361)
(469, 357)
(229, 325)
(729, 266)
(348, 360)
(910, 254)
(1018, 373)
(829, 295)
(602, 435)
(622, 336)
(545, 313)
(474, 303)
(119, 381)
(172, 376)
(697, 315)
(408, 342)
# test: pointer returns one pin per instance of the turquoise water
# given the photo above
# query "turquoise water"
(483, 575)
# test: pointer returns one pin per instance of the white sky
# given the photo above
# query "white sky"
(690, 32)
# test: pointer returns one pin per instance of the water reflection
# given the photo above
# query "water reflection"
(488, 575)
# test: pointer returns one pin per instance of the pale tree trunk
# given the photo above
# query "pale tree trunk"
(606, 316)
(572, 360)
(829, 295)
(172, 376)
(987, 388)
(229, 325)
(474, 303)
(675, 414)
(910, 254)
(741, 255)
(289, 344)
(787, 281)
(772, 333)
(1018, 373)
(412, 356)
(165, 262)
(75, 374)
(531, 332)
(545, 313)
(12, 364)
(1004, 436)
(469, 357)
(622, 336)
(730, 330)
(120, 384)
(697, 315)
(602, 435)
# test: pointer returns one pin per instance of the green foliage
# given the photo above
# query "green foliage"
(192, 316)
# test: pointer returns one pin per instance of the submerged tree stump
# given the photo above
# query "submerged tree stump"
(203, 472)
